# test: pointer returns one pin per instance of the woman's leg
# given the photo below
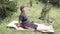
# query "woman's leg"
(44, 28)
(29, 28)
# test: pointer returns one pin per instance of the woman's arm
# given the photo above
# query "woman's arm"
(19, 23)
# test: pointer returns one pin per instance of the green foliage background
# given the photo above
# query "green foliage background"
(33, 14)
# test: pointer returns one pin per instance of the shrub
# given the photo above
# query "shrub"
(7, 8)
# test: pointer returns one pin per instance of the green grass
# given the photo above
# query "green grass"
(33, 14)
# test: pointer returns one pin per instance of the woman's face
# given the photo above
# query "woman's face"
(24, 9)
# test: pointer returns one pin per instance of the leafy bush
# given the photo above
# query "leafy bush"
(7, 8)
(54, 2)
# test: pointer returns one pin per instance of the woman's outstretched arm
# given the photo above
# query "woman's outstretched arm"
(19, 23)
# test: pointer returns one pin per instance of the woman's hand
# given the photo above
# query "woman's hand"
(18, 25)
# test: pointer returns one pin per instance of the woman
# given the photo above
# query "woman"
(25, 23)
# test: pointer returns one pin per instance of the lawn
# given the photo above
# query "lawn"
(33, 14)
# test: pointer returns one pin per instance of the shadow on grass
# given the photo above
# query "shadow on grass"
(47, 33)
(44, 32)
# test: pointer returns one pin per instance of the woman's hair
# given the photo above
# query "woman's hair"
(21, 7)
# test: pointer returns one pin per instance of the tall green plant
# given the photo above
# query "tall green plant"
(45, 11)
(30, 3)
